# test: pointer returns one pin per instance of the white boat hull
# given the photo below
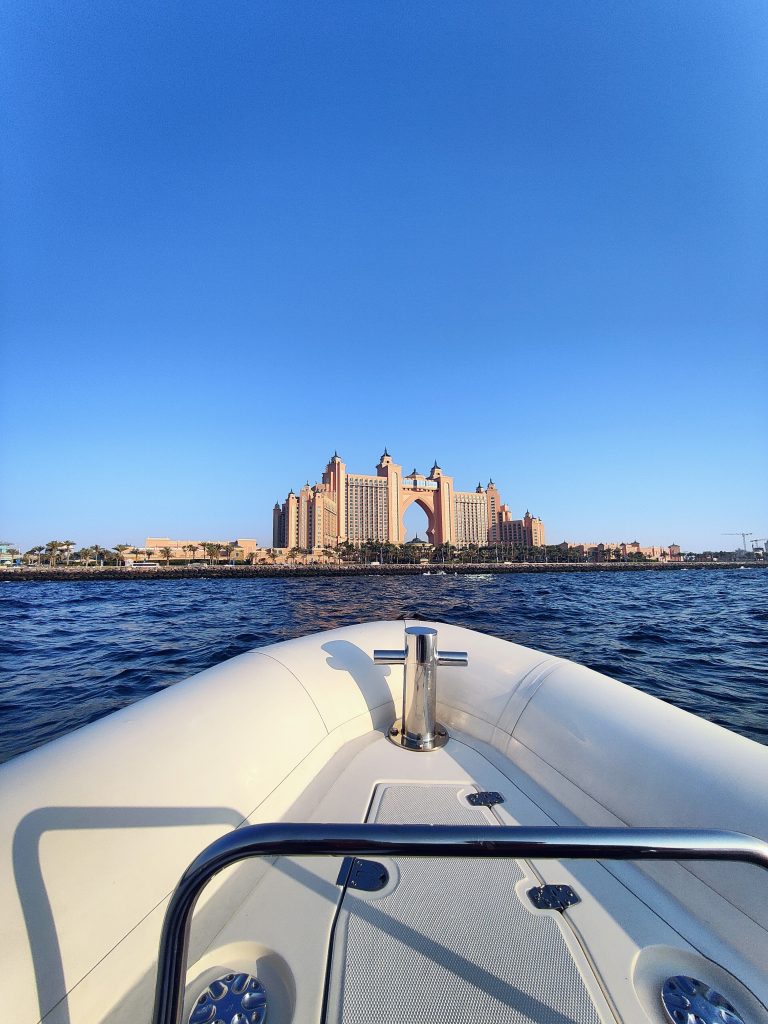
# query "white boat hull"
(98, 826)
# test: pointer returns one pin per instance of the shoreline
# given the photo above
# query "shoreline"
(82, 574)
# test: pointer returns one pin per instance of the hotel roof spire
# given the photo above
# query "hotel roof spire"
(385, 460)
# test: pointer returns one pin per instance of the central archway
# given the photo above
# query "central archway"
(426, 503)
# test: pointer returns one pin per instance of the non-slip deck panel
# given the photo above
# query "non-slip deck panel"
(438, 804)
(453, 942)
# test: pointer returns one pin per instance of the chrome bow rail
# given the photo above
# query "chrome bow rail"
(291, 840)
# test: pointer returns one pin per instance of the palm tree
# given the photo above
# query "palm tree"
(347, 550)
(135, 552)
(166, 553)
(84, 554)
(36, 553)
(214, 550)
(190, 549)
(120, 550)
(52, 549)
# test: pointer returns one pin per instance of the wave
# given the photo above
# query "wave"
(76, 651)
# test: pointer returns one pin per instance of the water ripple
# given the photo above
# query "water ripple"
(74, 652)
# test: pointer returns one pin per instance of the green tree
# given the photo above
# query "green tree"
(166, 552)
(52, 549)
(347, 551)
(120, 550)
(214, 551)
(35, 553)
(84, 555)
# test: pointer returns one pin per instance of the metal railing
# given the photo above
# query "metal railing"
(292, 840)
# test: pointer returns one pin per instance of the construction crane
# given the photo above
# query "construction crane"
(756, 541)
(743, 534)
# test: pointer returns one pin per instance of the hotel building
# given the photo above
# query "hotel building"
(360, 507)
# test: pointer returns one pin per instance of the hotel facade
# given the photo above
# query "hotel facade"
(360, 508)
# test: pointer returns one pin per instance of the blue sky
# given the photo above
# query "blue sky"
(527, 239)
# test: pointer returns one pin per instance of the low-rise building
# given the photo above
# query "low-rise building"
(617, 551)
(8, 554)
(161, 549)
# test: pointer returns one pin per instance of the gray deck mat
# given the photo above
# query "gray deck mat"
(453, 942)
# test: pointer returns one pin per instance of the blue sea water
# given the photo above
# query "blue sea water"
(73, 652)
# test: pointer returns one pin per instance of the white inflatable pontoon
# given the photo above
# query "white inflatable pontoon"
(543, 845)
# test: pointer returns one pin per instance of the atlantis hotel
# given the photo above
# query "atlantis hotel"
(358, 507)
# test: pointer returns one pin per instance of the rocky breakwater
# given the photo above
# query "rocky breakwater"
(81, 573)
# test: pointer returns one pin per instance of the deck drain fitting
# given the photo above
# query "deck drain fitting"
(689, 1001)
(231, 999)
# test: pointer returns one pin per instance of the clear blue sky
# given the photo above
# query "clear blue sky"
(528, 239)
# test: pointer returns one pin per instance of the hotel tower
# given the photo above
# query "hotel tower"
(359, 507)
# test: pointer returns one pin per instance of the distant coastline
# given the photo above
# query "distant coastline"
(45, 574)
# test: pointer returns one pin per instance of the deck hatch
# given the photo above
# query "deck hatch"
(449, 941)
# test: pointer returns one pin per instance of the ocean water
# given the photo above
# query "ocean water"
(73, 652)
